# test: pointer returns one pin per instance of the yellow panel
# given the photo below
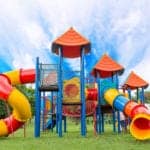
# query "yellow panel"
(3, 128)
(14, 76)
(110, 96)
(72, 90)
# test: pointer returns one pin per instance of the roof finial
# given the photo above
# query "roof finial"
(71, 28)
(106, 53)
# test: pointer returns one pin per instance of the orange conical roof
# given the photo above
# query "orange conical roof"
(134, 81)
(71, 43)
(107, 67)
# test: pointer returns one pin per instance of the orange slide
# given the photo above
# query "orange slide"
(8, 93)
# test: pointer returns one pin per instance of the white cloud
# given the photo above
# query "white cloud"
(28, 27)
(25, 59)
(127, 24)
(143, 68)
(35, 35)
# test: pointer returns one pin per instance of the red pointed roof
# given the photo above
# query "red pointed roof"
(134, 81)
(71, 43)
(107, 67)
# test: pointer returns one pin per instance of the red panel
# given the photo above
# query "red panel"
(12, 124)
(27, 75)
(142, 123)
(139, 109)
(75, 110)
(92, 94)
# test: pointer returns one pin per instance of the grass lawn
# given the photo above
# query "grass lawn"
(72, 140)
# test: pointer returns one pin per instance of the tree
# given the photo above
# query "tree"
(147, 96)
(3, 109)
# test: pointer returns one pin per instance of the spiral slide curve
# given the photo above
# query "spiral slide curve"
(19, 103)
(139, 114)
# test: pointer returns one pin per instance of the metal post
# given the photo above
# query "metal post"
(82, 96)
(37, 101)
(65, 123)
(117, 81)
(52, 111)
(99, 103)
(118, 113)
(60, 94)
(143, 98)
(102, 122)
(137, 94)
(118, 118)
(57, 101)
(44, 112)
(114, 120)
(129, 93)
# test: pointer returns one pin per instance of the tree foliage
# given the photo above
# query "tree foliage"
(147, 96)
(3, 111)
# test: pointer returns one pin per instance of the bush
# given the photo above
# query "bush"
(3, 110)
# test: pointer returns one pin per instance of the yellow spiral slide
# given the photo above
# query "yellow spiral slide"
(19, 103)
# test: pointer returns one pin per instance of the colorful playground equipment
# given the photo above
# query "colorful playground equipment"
(21, 107)
(138, 113)
(72, 97)
(68, 47)
(73, 94)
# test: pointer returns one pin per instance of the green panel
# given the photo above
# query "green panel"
(106, 84)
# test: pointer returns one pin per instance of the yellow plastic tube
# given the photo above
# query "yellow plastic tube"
(14, 76)
(20, 105)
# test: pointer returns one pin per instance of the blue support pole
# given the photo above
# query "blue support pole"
(60, 80)
(65, 123)
(97, 116)
(137, 94)
(37, 101)
(52, 111)
(118, 118)
(118, 114)
(117, 81)
(143, 98)
(57, 112)
(129, 93)
(82, 96)
(114, 120)
(99, 103)
(43, 115)
(102, 122)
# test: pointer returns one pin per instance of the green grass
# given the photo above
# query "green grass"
(72, 140)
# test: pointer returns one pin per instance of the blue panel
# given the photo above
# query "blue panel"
(120, 102)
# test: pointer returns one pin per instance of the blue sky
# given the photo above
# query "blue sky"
(118, 27)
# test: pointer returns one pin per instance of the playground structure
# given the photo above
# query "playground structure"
(61, 46)
(70, 45)
(85, 101)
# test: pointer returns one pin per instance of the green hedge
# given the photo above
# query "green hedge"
(3, 109)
